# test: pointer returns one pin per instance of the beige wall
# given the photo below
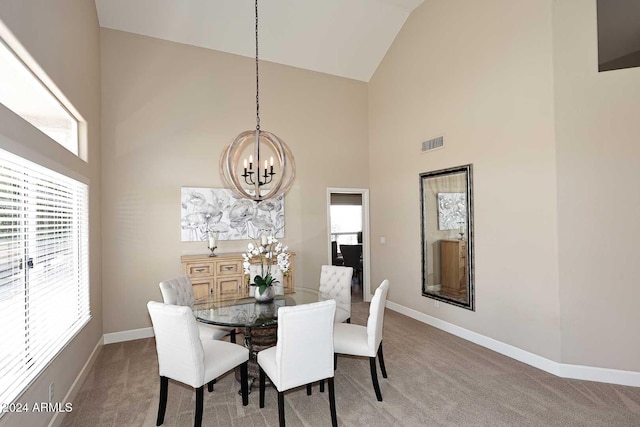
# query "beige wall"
(597, 131)
(481, 74)
(63, 38)
(554, 148)
(168, 110)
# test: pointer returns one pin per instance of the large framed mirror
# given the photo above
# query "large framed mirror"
(446, 218)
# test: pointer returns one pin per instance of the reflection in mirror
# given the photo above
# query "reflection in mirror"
(446, 214)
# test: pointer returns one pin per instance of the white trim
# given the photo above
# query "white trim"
(366, 236)
(133, 334)
(602, 375)
(58, 417)
(578, 372)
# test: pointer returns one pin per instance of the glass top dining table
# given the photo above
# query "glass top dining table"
(246, 312)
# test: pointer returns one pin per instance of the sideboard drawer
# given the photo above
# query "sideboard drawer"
(199, 269)
(229, 267)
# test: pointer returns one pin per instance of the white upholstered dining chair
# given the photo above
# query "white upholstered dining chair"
(365, 341)
(184, 357)
(178, 291)
(335, 282)
(303, 353)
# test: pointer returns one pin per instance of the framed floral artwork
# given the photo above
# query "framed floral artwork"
(452, 211)
(219, 210)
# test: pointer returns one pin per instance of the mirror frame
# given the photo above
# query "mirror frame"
(468, 171)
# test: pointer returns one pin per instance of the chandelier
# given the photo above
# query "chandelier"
(241, 160)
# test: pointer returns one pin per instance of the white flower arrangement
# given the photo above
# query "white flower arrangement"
(268, 249)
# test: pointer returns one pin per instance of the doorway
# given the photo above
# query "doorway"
(348, 225)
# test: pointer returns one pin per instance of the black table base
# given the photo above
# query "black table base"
(257, 339)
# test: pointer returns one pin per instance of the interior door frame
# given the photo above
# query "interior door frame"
(366, 240)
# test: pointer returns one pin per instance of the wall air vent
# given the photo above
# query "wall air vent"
(433, 144)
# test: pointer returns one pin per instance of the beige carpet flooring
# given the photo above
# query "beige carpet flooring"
(435, 379)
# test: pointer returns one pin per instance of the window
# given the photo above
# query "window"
(346, 223)
(24, 94)
(44, 284)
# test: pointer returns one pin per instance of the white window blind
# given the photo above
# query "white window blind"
(44, 284)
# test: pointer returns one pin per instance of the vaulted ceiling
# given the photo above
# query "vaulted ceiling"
(346, 38)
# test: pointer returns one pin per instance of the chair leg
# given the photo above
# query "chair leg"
(374, 378)
(162, 405)
(348, 320)
(381, 360)
(281, 408)
(335, 361)
(232, 337)
(262, 380)
(244, 380)
(210, 385)
(332, 404)
(199, 406)
(321, 386)
(309, 389)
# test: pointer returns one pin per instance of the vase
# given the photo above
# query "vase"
(267, 296)
(265, 310)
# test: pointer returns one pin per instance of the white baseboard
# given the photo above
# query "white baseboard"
(58, 417)
(133, 334)
(579, 372)
(602, 375)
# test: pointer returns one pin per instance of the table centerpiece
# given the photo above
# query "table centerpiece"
(270, 252)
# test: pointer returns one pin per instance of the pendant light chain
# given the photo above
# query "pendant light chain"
(277, 175)
(257, 76)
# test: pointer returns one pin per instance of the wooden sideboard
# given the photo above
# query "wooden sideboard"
(453, 266)
(223, 276)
